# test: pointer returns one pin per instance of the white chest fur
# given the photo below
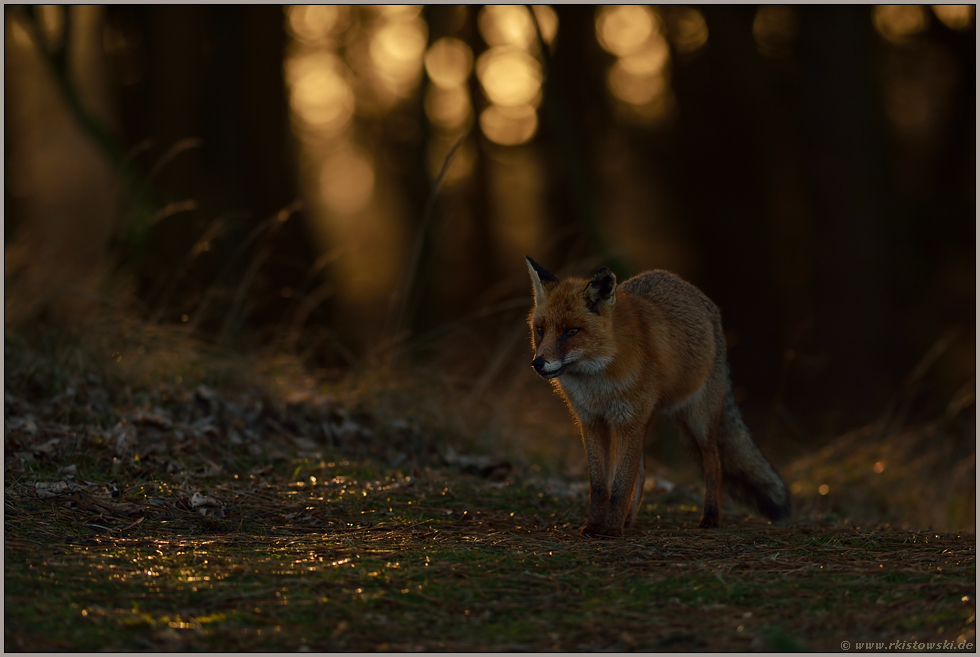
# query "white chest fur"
(595, 396)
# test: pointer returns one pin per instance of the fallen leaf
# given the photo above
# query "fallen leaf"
(207, 506)
(48, 448)
(25, 424)
(304, 444)
(50, 490)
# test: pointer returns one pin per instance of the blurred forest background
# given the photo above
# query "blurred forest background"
(263, 177)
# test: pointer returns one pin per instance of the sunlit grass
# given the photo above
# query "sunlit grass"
(423, 577)
(365, 535)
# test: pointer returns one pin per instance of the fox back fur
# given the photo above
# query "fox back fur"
(621, 355)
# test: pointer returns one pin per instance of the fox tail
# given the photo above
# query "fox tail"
(748, 475)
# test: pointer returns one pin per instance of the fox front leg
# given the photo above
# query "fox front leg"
(614, 504)
(597, 438)
(627, 487)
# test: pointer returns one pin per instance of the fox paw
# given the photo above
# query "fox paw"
(597, 531)
(709, 522)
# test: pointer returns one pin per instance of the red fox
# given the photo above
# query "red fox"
(619, 356)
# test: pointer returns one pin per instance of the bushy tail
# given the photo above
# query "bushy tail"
(748, 476)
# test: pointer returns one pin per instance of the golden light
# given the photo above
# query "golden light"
(509, 126)
(507, 25)
(397, 12)
(879, 467)
(313, 24)
(899, 23)
(547, 22)
(688, 31)
(397, 48)
(298, 66)
(656, 111)
(448, 62)
(346, 181)
(648, 61)
(774, 28)
(632, 88)
(21, 36)
(823, 489)
(461, 166)
(319, 96)
(623, 29)
(448, 109)
(955, 17)
(509, 76)
(52, 20)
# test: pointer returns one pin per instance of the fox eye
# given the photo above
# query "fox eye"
(570, 332)
(539, 331)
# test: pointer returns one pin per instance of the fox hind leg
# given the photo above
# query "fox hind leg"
(637, 494)
(711, 510)
(641, 473)
(703, 428)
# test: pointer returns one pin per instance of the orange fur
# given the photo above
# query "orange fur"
(621, 355)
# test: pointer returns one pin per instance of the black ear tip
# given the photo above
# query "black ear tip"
(542, 273)
(602, 274)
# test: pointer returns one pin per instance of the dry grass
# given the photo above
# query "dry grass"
(921, 476)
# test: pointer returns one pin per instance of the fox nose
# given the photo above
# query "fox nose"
(537, 363)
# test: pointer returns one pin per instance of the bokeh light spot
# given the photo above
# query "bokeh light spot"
(507, 25)
(396, 51)
(449, 62)
(899, 23)
(547, 22)
(509, 126)
(955, 17)
(320, 96)
(688, 30)
(774, 28)
(623, 29)
(509, 76)
(314, 24)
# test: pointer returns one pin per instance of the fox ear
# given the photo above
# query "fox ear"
(600, 292)
(542, 279)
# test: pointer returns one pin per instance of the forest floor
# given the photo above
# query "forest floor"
(221, 515)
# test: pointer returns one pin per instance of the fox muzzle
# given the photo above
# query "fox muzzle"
(547, 369)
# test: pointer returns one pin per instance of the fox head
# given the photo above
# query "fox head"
(571, 322)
